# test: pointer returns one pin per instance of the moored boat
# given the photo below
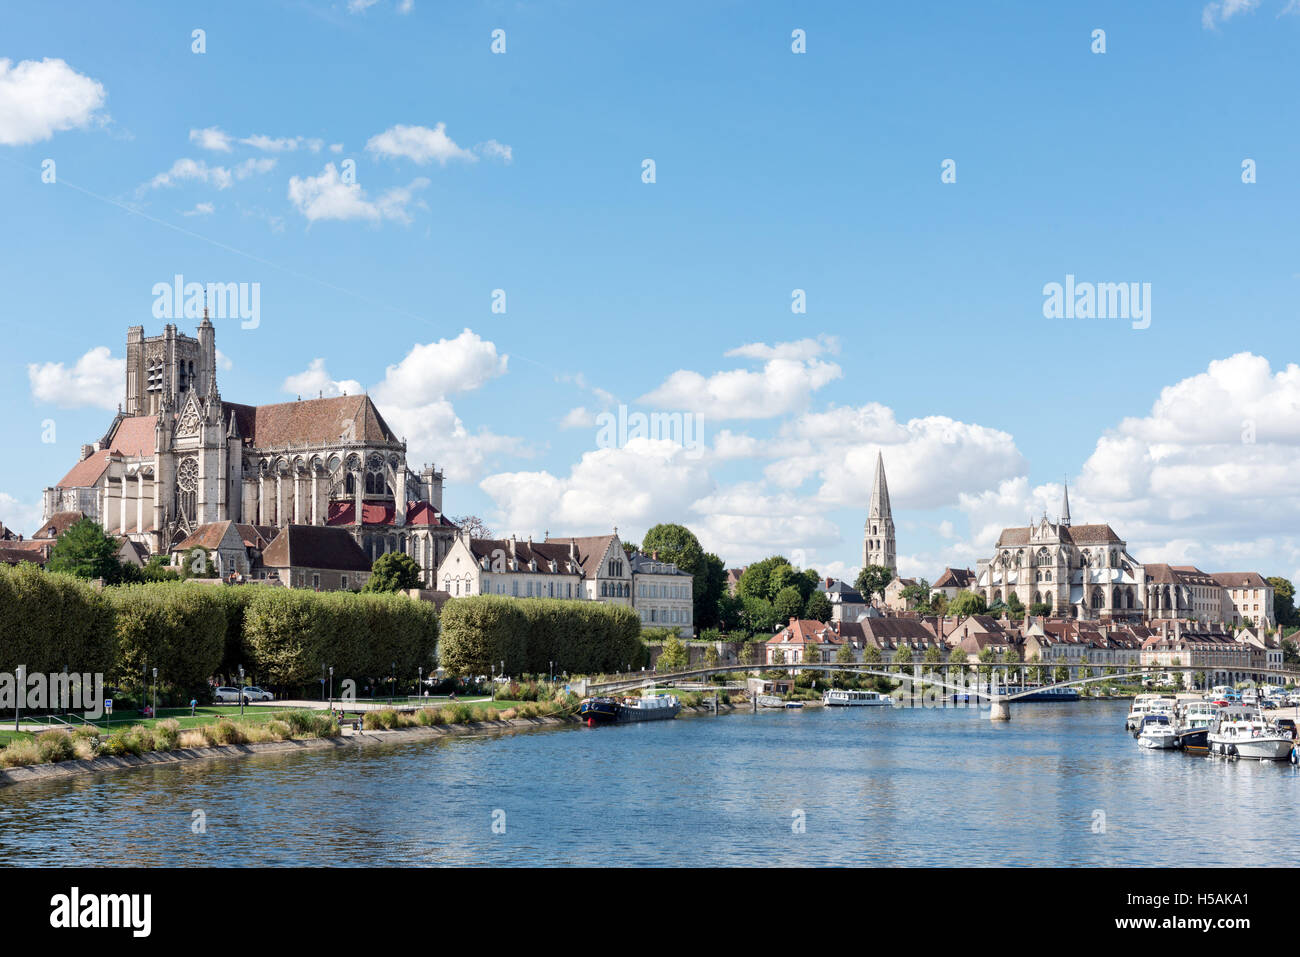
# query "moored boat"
(850, 698)
(1245, 733)
(1157, 733)
(606, 710)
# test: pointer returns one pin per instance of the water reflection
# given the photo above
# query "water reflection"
(872, 786)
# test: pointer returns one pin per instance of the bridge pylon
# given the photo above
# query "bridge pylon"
(999, 709)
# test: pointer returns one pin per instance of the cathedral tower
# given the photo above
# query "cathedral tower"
(878, 535)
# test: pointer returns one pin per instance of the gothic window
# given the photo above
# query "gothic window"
(187, 484)
(349, 486)
(370, 483)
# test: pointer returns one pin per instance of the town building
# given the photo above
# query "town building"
(953, 580)
(847, 603)
(178, 456)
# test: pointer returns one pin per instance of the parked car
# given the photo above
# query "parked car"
(252, 693)
(1287, 726)
(227, 696)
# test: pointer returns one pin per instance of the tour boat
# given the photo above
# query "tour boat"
(604, 710)
(1034, 693)
(1244, 733)
(1158, 732)
(840, 698)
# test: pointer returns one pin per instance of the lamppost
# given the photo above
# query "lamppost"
(18, 696)
(331, 687)
(241, 691)
(322, 681)
(419, 682)
(552, 672)
(392, 681)
(155, 692)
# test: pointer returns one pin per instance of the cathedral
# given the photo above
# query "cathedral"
(878, 546)
(177, 456)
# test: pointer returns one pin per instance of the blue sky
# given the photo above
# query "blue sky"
(924, 334)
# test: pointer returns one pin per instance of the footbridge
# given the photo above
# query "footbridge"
(960, 679)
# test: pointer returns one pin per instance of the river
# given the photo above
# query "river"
(1060, 784)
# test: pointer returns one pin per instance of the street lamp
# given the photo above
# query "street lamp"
(241, 691)
(18, 696)
(419, 682)
(155, 692)
(392, 681)
(331, 687)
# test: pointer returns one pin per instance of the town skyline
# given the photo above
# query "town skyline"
(471, 261)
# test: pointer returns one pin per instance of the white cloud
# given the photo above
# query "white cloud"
(494, 150)
(360, 6)
(419, 144)
(252, 167)
(328, 197)
(633, 487)
(1223, 10)
(790, 375)
(212, 138)
(19, 516)
(578, 418)
(200, 209)
(405, 6)
(95, 380)
(41, 98)
(439, 369)
(223, 361)
(191, 170)
(316, 381)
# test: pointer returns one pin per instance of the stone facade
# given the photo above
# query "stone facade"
(878, 545)
(177, 457)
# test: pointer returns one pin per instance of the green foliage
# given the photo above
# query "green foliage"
(1040, 609)
(755, 581)
(918, 596)
(50, 621)
(1284, 609)
(787, 604)
(581, 637)
(1015, 608)
(178, 629)
(393, 571)
(758, 615)
(873, 580)
(85, 551)
(674, 657)
(678, 544)
(292, 634)
(967, 603)
(818, 607)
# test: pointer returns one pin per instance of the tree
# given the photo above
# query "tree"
(873, 580)
(674, 656)
(903, 656)
(787, 604)
(758, 615)
(755, 581)
(918, 595)
(1015, 608)
(473, 526)
(393, 571)
(746, 656)
(1040, 609)
(818, 607)
(1284, 609)
(843, 656)
(987, 656)
(778, 656)
(678, 544)
(84, 550)
(631, 548)
(967, 603)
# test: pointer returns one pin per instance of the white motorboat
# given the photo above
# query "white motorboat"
(1158, 732)
(847, 698)
(1245, 733)
(1197, 715)
(1143, 705)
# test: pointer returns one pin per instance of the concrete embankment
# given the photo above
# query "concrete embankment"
(46, 772)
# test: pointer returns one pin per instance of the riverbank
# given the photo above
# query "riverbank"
(348, 738)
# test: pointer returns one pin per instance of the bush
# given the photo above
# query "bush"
(49, 621)
(279, 730)
(178, 628)
(166, 734)
(20, 753)
(224, 731)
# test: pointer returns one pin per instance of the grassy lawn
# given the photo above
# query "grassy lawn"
(201, 716)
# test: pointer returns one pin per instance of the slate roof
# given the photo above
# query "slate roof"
(955, 578)
(315, 546)
(58, 523)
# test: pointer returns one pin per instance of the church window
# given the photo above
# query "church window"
(349, 486)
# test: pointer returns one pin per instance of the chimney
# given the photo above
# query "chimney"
(86, 452)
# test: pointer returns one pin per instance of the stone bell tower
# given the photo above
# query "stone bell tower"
(878, 546)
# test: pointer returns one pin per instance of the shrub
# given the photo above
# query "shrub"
(192, 739)
(279, 730)
(20, 753)
(54, 746)
(166, 733)
(178, 628)
(49, 621)
(224, 731)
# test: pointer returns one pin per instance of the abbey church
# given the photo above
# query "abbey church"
(177, 457)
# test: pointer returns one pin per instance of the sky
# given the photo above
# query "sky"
(812, 233)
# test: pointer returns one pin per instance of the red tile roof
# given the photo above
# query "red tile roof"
(311, 421)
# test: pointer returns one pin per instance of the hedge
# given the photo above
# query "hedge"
(582, 637)
(178, 628)
(49, 621)
(290, 635)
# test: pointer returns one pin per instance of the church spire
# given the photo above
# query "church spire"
(1065, 505)
(879, 492)
(878, 545)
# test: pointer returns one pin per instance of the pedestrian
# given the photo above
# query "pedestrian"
(194, 703)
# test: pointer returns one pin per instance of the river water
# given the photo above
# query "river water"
(1059, 784)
